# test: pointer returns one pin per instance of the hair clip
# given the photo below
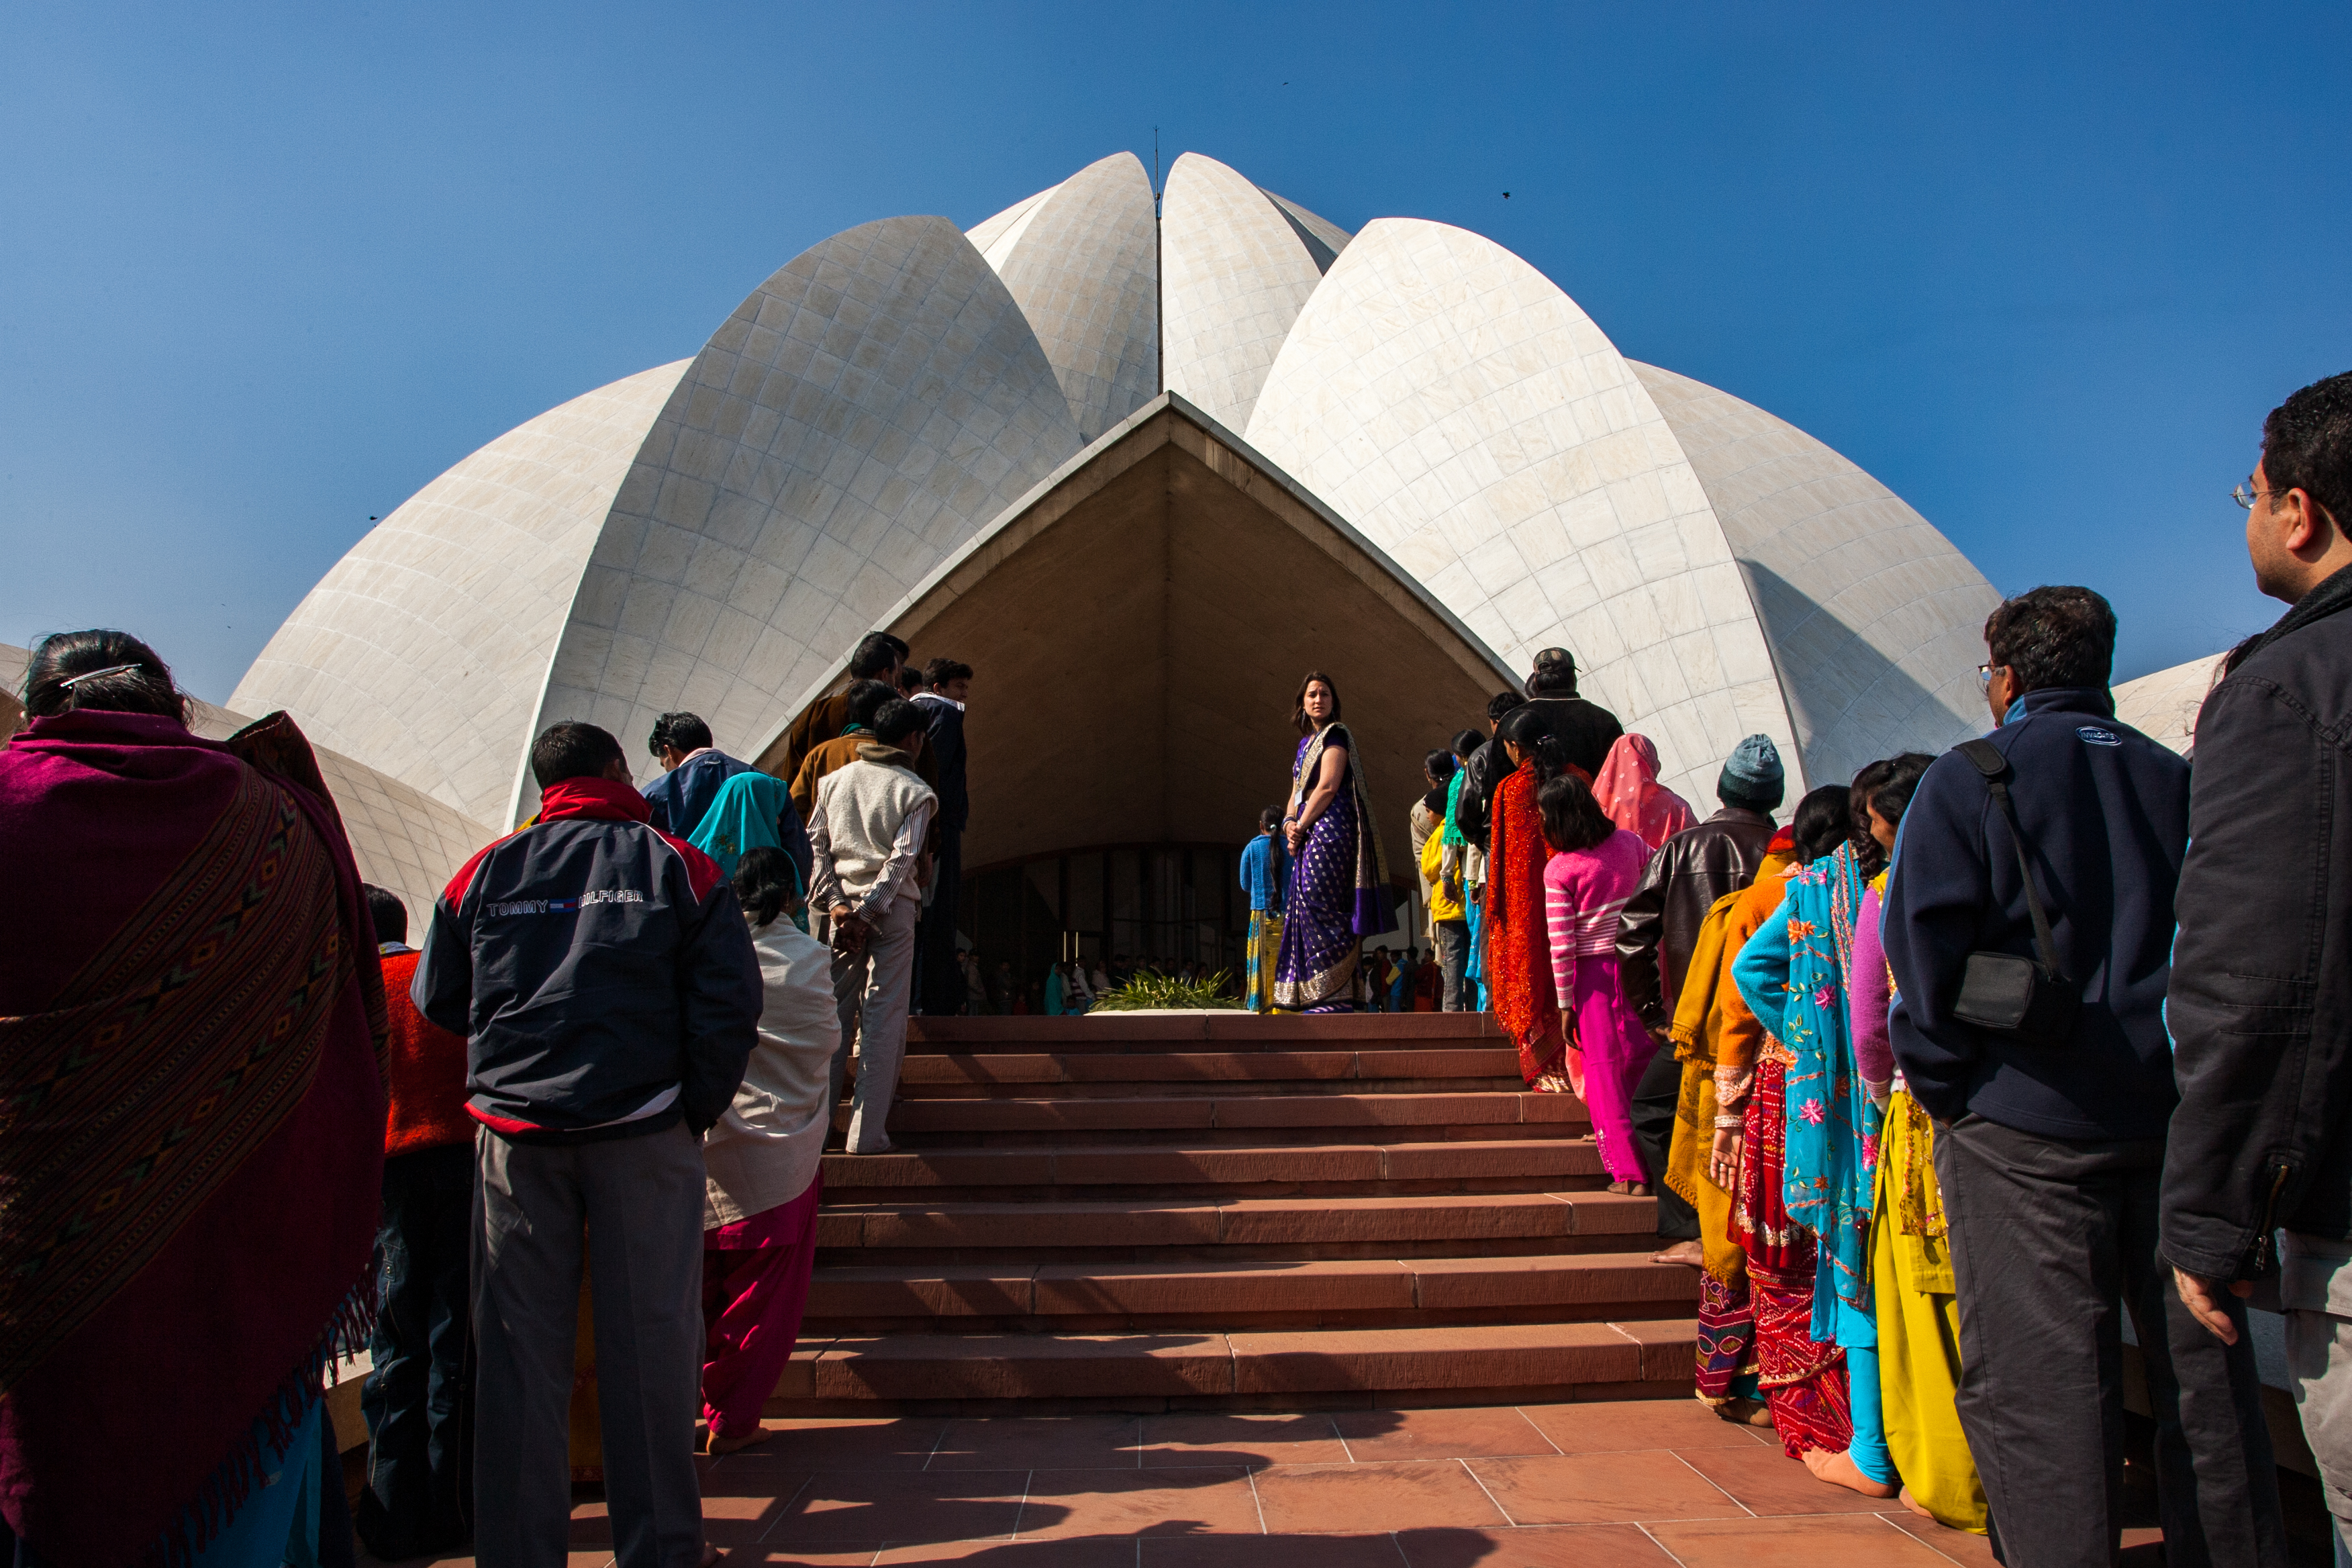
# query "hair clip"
(97, 674)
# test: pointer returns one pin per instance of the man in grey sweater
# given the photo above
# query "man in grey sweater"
(867, 839)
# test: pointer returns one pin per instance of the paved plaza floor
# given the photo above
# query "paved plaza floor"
(1639, 1484)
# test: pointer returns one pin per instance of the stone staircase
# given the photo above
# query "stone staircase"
(1224, 1211)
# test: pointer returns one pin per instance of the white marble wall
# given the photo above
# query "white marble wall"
(422, 653)
(1083, 261)
(1447, 399)
(1875, 623)
(867, 408)
(1233, 273)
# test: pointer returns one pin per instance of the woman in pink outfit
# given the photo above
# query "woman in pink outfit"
(1629, 791)
(1593, 868)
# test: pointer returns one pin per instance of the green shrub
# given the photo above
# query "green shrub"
(1160, 992)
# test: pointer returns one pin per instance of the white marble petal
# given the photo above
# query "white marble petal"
(1084, 262)
(1448, 400)
(2164, 706)
(1877, 624)
(1005, 227)
(1233, 273)
(865, 409)
(1324, 239)
(423, 651)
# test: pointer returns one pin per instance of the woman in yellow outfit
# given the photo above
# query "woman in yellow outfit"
(1911, 1262)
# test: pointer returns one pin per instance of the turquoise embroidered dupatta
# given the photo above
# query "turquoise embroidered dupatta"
(1834, 1128)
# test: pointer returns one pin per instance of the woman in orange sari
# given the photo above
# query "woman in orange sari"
(1519, 940)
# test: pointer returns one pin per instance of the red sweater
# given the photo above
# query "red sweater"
(428, 1071)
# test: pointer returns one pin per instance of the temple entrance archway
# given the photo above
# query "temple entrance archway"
(1139, 627)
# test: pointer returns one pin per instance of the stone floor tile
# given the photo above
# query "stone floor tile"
(1376, 1435)
(1256, 1441)
(875, 1506)
(1606, 1426)
(1087, 1552)
(1127, 1502)
(1270, 1551)
(1958, 1545)
(1768, 1481)
(1553, 1546)
(1039, 1443)
(1601, 1489)
(846, 1445)
(1351, 1498)
(1844, 1541)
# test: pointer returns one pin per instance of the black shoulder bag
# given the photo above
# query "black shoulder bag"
(2030, 1002)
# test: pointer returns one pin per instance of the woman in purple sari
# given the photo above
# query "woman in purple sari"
(1338, 889)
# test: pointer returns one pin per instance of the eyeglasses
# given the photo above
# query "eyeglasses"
(1984, 674)
(2246, 494)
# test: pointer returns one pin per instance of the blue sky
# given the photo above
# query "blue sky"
(269, 268)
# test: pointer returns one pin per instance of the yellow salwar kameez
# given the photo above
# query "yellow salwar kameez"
(1919, 1324)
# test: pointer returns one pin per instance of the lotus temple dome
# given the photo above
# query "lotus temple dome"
(1143, 464)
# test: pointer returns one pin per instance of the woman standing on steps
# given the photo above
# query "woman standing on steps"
(1338, 893)
(1594, 867)
(1518, 941)
(761, 1163)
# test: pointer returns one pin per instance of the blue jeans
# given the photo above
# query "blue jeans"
(418, 1407)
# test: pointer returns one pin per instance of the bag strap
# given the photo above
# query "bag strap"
(1988, 760)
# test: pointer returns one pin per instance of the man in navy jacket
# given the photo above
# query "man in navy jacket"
(2049, 1157)
(693, 767)
(606, 984)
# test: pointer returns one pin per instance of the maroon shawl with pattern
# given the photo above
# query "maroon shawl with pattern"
(191, 1122)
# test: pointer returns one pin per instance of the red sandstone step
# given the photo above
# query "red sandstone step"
(1177, 1112)
(1231, 1030)
(1232, 1294)
(1635, 1357)
(963, 1073)
(1459, 1219)
(1019, 1170)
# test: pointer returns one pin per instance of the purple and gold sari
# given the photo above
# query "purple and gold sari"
(1339, 889)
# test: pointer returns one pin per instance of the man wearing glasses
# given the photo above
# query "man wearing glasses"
(2260, 1002)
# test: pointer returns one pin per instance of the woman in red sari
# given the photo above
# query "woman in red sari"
(192, 1122)
(1518, 939)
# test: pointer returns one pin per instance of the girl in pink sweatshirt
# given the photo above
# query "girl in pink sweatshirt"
(1593, 868)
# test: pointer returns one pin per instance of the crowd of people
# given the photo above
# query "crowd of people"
(1936, 1083)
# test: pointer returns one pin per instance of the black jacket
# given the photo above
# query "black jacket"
(1484, 773)
(943, 721)
(595, 965)
(1683, 880)
(2104, 812)
(1585, 728)
(2261, 1009)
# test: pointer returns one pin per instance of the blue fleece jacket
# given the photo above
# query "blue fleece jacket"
(2104, 812)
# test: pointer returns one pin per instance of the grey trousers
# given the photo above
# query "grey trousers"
(2047, 1237)
(640, 1201)
(870, 987)
(2316, 1288)
(1452, 958)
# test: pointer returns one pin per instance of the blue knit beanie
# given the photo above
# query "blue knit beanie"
(1753, 775)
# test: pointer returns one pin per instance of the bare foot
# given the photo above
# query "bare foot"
(1746, 1412)
(1689, 1252)
(710, 1556)
(1839, 1470)
(1912, 1503)
(729, 1444)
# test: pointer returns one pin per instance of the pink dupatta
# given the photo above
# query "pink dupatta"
(1629, 791)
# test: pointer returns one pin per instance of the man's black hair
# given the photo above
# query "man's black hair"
(1502, 702)
(865, 700)
(2307, 446)
(939, 671)
(875, 652)
(1554, 674)
(898, 720)
(2054, 637)
(572, 750)
(390, 915)
(681, 733)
